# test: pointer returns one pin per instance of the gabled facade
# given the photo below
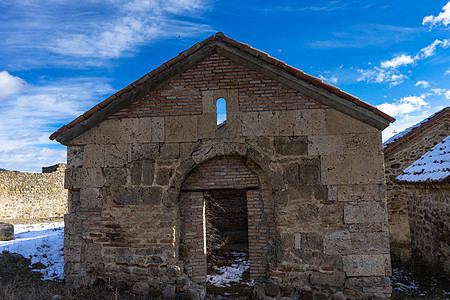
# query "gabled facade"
(300, 161)
(400, 152)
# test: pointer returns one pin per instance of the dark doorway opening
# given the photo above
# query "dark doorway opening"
(228, 268)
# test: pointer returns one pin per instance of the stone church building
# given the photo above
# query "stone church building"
(300, 160)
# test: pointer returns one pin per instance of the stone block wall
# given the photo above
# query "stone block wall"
(398, 159)
(33, 195)
(314, 182)
(429, 215)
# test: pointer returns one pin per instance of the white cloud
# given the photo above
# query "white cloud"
(443, 17)
(388, 71)
(140, 21)
(52, 33)
(378, 75)
(423, 83)
(10, 85)
(447, 72)
(431, 49)
(438, 91)
(405, 105)
(332, 79)
(29, 118)
(401, 60)
(447, 94)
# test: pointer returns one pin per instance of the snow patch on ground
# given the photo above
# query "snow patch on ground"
(227, 275)
(40, 243)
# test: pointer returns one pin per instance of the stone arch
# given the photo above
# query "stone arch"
(225, 171)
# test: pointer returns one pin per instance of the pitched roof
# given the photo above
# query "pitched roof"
(219, 43)
(408, 135)
(432, 167)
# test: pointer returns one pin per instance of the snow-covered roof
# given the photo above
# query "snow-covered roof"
(409, 129)
(433, 166)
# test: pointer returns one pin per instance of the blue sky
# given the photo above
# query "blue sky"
(59, 58)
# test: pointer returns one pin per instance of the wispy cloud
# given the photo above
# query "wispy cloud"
(381, 75)
(422, 83)
(443, 17)
(331, 79)
(366, 35)
(10, 85)
(441, 91)
(403, 106)
(94, 31)
(431, 49)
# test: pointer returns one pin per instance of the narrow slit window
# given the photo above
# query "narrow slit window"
(221, 106)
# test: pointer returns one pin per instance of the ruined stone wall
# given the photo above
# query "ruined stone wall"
(319, 220)
(396, 160)
(429, 215)
(33, 195)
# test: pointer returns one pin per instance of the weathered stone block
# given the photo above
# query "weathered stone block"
(158, 132)
(362, 143)
(135, 170)
(302, 120)
(94, 156)
(291, 145)
(115, 155)
(209, 105)
(251, 126)
(162, 176)
(264, 123)
(269, 122)
(336, 279)
(233, 128)
(121, 195)
(152, 195)
(180, 129)
(352, 169)
(367, 265)
(332, 213)
(145, 130)
(138, 151)
(75, 156)
(207, 125)
(339, 123)
(357, 193)
(306, 171)
(318, 121)
(365, 212)
(232, 99)
(148, 172)
(345, 243)
(325, 145)
(90, 197)
(169, 151)
(115, 176)
(83, 177)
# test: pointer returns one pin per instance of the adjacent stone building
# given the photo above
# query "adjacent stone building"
(400, 152)
(301, 160)
(26, 195)
(427, 186)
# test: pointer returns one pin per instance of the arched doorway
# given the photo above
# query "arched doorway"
(222, 212)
